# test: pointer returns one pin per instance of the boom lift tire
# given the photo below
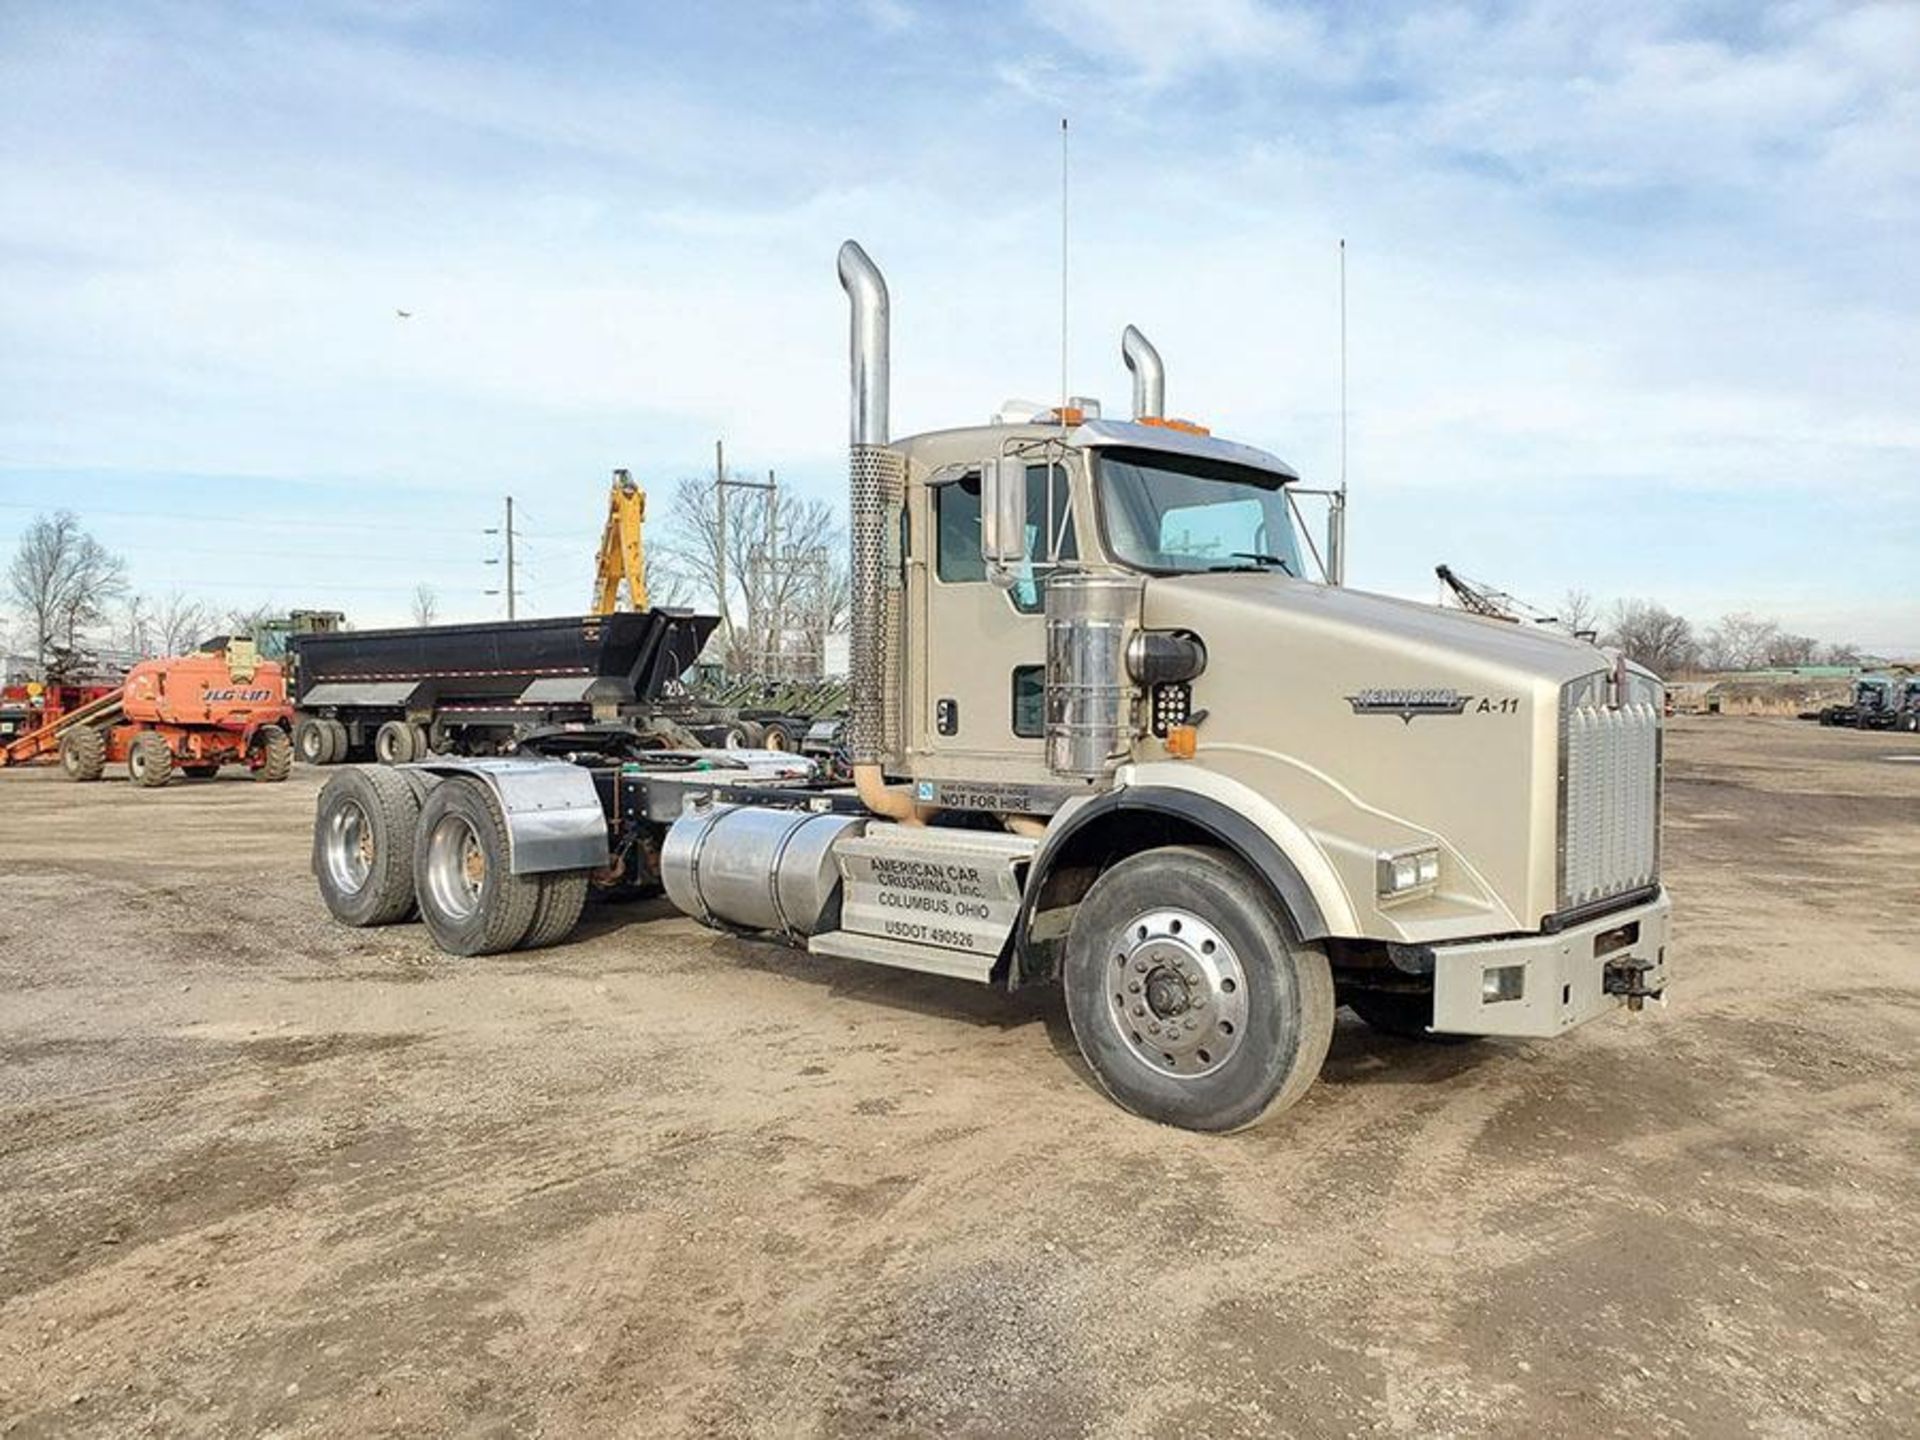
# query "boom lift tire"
(393, 743)
(149, 760)
(563, 895)
(313, 741)
(83, 753)
(470, 899)
(1191, 1000)
(276, 755)
(363, 845)
(1406, 1014)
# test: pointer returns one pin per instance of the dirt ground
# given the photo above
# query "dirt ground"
(261, 1174)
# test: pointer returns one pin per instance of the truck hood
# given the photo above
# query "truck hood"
(1405, 639)
(1375, 725)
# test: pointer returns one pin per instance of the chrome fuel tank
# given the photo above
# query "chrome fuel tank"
(757, 867)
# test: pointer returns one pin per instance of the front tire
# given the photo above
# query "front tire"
(149, 760)
(1191, 1001)
(276, 755)
(470, 899)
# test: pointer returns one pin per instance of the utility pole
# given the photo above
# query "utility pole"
(721, 484)
(508, 532)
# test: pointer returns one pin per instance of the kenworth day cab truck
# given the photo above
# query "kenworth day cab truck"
(1106, 734)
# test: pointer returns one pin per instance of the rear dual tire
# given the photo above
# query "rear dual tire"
(398, 743)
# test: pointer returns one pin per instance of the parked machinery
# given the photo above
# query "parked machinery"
(189, 714)
(480, 689)
(1878, 702)
(1104, 734)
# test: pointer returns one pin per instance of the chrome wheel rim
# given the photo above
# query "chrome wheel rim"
(349, 848)
(456, 869)
(1176, 993)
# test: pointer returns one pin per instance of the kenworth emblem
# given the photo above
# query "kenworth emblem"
(1408, 703)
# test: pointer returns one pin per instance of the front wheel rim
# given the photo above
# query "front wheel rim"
(456, 868)
(1176, 993)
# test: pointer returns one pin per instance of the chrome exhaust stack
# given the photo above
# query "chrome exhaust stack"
(868, 346)
(1149, 375)
(876, 490)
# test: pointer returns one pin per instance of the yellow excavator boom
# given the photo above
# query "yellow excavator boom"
(623, 555)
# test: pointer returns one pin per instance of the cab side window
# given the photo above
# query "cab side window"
(957, 523)
(1050, 536)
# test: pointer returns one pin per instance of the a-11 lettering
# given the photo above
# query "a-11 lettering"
(1489, 706)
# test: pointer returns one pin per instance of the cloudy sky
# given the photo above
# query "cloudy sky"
(1634, 288)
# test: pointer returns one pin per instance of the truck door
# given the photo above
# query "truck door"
(985, 646)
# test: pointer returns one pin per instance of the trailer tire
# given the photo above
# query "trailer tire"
(149, 760)
(563, 895)
(363, 829)
(276, 754)
(393, 743)
(779, 736)
(313, 741)
(1403, 1013)
(422, 747)
(470, 899)
(341, 750)
(83, 753)
(1191, 1000)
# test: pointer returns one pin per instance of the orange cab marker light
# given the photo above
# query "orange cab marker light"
(1182, 741)
(1186, 427)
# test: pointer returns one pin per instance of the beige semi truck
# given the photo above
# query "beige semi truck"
(1106, 733)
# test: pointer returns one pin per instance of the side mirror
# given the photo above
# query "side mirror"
(1003, 516)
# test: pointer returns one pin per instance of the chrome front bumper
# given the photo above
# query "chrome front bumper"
(1539, 985)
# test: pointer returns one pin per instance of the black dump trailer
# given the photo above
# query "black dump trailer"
(399, 695)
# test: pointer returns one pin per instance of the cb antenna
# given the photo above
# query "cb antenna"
(1063, 266)
(1343, 365)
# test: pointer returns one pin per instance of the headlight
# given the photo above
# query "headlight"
(1407, 872)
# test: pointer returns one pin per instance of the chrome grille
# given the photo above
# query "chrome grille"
(1609, 798)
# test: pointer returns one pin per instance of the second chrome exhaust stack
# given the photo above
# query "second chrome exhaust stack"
(1149, 375)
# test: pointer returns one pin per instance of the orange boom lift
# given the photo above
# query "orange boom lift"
(221, 705)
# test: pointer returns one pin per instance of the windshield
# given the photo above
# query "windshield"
(1179, 514)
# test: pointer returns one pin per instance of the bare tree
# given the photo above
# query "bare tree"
(242, 620)
(1652, 635)
(136, 626)
(1579, 612)
(1788, 651)
(426, 605)
(179, 624)
(1840, 653)
(1739, 642)
(63, 581)
(769, 595)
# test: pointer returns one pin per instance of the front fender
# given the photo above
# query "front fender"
(1230, 814)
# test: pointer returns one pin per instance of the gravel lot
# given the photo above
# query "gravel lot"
(259, 1173)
